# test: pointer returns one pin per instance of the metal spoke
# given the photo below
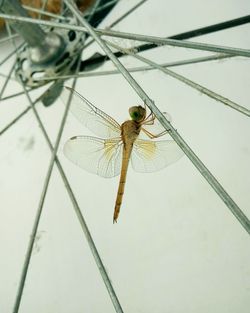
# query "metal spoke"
(152, 39)
(13, 95)
(40, 207)
(126, 14)
(176, 43)
(73, 199)
(20, 115)
(42, 12)
(186, 81)
(104, 6)
(12, 67)
(7, 80)
(119, 19)
(104, 275)
(8, 38)
(17, 118)
(225, 197)
(19, 93)
(93, 10)
(77, 211)
(11, 78)
(41, 201)
(200, 31)
(140, 68)
(11, 54)
(45, 2)
(11, 36)
(74, 202)
(213, 28)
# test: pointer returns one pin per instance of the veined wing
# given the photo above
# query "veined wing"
(90, 116)
(151, 156)
(95, 155)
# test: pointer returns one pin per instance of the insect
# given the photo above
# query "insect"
(110, 157)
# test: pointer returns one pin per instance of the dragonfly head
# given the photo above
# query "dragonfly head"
(137, 113)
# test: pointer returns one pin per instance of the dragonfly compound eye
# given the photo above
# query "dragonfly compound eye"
(137, 113)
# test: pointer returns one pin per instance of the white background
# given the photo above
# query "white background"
(176, 247)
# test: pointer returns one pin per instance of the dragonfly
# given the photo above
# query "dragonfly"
(110, 154)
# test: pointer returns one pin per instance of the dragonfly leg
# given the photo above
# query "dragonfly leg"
(153, 136)
(149, 120)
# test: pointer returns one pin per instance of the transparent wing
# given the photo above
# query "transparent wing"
(151, 156)
(155, 128)
(91, 117)
(95, 155)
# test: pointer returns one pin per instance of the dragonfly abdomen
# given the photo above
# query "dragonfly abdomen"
(127, 149)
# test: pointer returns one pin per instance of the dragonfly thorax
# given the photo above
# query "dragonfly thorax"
(137, 113)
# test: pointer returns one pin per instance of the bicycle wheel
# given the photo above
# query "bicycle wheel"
(175, 238)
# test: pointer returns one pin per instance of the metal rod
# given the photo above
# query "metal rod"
(44, 4)
(41, 22)
(93, 10)
(43, 47)
(46, 13)
(76, 206)
(106, 280)
(200, 31)
(118, 54)
(19, 93)
(11, 78)
(139, 68)
(119, 19)
(39, 210)
(17, 118)
(73, 199)
(131, 10)
(12, 96)
(225, 197)
(10, 35)
(8, 38)
(176, 43)
(154, 39)
(104, 6)
(186, 81)
(32, 35)
(104, 73)
(68, 188)
(11, 54)
(14, 64)
(7, 80)
(213, 28)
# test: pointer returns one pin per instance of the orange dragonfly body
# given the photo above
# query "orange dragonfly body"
(111, 156)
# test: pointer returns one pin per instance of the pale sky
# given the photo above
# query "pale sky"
(176, 247)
